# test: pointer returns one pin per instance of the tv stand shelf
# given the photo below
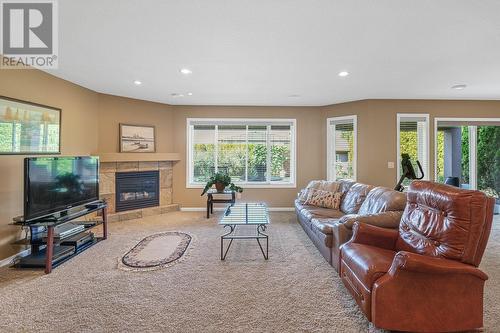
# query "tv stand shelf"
(48, 252)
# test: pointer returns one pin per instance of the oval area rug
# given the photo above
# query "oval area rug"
(157, 251)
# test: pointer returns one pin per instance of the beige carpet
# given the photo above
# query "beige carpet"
(295, 291)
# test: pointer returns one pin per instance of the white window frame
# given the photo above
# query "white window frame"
(400, 116)
(244, 121)
(330, 144)
(472, 144)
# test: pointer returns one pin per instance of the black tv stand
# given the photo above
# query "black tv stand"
(47, 252)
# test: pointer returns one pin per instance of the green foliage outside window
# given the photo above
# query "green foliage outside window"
(488, 158)
(280, 162)
(465, 155)
(344, 170)
(440, 156)
(234, 159)
(257, 160)
(204, 163)
(409, 145)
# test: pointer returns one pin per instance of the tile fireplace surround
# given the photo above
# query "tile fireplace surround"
(107, 187)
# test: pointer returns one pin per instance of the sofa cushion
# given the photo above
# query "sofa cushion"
(382, 199)
(311, 212)
(345, 185)
(324, 185)
(324, 199)
(384, 219)
(367, 262)
(354, 198)
(324, 225)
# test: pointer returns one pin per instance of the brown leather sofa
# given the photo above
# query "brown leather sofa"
(424, 276)
(329, 228)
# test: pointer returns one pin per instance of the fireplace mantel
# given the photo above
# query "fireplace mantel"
(138, 157)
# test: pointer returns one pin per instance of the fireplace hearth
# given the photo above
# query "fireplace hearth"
(136, 190)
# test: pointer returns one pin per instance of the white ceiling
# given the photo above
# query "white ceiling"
(259, 52)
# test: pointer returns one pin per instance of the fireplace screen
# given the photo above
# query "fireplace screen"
(136, 190)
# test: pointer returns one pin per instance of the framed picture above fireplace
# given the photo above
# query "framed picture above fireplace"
(28, 128)
(137, 139)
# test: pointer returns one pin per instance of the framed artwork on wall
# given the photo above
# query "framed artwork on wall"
(137, 139)
(28, 128)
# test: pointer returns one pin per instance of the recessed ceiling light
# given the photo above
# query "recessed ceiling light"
(186, 71)
(137, 82)
(459, 86)
(190, 94)
(294, 96)
(343, 74)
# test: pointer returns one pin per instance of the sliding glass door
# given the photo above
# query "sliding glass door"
(468, 154)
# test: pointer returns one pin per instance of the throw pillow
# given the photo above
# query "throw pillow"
(324, 199)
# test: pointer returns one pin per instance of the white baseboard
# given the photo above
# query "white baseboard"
(219, 209)
(195, 209)
(281, 209)
(10, 260)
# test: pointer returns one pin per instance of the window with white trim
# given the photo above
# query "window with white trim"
(413, 139)
(342, 147)
(257, 152)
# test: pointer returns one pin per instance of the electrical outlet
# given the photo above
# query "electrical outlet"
(390, 165)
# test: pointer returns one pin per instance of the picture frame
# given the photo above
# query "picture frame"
(137, 138)
(28, 128)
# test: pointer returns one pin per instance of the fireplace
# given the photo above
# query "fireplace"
(135, 190)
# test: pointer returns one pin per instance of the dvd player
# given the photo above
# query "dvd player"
(66, 230)
(78, 240)
(37, 259)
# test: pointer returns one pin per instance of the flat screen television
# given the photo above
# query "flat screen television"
(56, 184)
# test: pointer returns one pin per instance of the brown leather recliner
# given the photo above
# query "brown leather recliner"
(424, 276)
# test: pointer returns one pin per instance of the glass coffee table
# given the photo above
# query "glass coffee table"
(245, 214)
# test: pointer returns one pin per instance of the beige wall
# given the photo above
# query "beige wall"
(310, 149)
(78, 136)
(377, 129)
(115, 110)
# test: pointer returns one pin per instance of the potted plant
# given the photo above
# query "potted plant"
(221, 181)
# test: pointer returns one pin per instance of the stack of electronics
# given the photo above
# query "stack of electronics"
(71, 234)
(69, 238)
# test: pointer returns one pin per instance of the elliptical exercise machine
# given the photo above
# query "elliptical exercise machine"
(408, 172)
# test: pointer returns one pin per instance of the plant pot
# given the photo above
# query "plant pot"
(220, 187)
